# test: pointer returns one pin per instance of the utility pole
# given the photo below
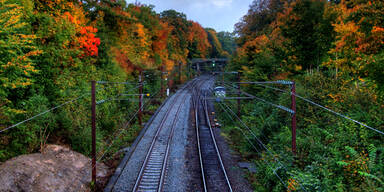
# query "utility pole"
(293, 107)
(162, 81)
(93, 108)
(140, 115)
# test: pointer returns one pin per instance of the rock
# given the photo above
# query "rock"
(250, 166)
(59, 169)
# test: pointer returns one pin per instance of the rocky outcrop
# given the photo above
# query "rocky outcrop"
(59, 169)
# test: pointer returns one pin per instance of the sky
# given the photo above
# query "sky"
(221, 15)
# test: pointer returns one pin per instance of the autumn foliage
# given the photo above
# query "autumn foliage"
(51, 50)
(334, 51)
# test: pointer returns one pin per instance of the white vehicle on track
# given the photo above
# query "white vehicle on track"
(219, 93)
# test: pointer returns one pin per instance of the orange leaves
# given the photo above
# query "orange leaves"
(198, 36)
(374, 42)
(257, 45)
(160, 45)
(358, 35)
(68, 16)
(123, 60)
(169, 65)
(141, 34)
(85, 38)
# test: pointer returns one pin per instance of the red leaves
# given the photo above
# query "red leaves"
(88, 42)
(85, 38)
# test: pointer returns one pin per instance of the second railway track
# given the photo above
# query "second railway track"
(213, 173)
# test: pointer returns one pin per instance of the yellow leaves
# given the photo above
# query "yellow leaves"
(257, 45)
(346, 28)
(18, 48)
(17, 111)
(169, 64)
(245, 69)
(336, 97)
(292, 185)
(11, 15)
(298, 67)
(140, 30)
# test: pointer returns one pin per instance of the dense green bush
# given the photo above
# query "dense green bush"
(334, 154)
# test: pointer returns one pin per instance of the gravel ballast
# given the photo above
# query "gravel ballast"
(183, 171)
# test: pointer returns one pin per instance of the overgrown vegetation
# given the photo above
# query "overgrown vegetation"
(51, 50)
(334, 52)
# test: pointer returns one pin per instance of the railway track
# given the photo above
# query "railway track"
(153, 170)
(213, 173)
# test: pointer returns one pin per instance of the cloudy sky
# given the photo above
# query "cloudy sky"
(218, 14)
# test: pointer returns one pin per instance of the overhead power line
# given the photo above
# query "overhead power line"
(325, 108)
(40, 114)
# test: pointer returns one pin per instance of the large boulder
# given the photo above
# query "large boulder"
(57, 169)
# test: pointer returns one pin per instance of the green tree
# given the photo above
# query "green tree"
(227, 41)
(310, 34)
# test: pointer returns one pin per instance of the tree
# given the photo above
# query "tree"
(199, 45)
(260, 15)
(18, 51)
(310, 34)
(227, 41)
(216, 50)
(178, 41)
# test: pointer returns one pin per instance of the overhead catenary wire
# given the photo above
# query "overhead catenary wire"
(116, 96)
(264, 101)
(265, 122)
(281, 82)
(125, 126)
(250, 142)
(113, 85)
(109, 82)
(325, 108)
(49, 110)
(261, 144)
(268, 102)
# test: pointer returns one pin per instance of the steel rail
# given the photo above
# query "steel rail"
(257, 150)
(197, 97)
(151, 149)
(215, 144)
(163, 169)
(140, 175)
